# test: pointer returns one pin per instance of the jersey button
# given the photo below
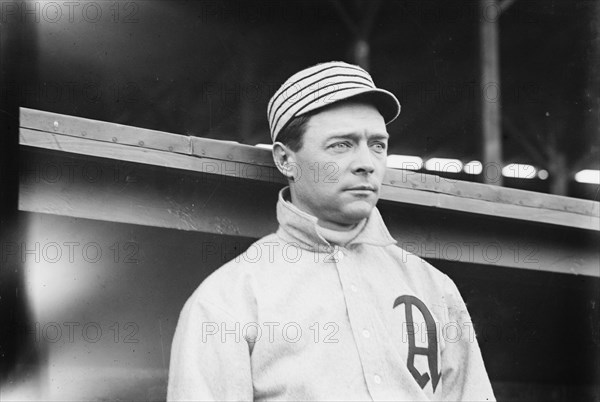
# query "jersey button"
(354, 288)
(377, 379)
(366, 333)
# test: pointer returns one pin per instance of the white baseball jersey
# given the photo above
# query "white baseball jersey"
(296, 317)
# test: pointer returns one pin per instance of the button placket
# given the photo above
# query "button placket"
(359, 316)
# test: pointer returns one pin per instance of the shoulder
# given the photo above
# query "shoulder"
(421, 271)
(232, 287)
(415, 263)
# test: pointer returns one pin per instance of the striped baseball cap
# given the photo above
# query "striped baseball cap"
(322, 85)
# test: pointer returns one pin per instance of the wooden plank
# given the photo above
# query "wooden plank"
(103, 131)
(404, 191)
(462, 189)
(483, 207)
(255, 163)
(45, 140)
(232, 151)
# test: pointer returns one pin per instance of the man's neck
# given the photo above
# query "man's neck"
(303, 228)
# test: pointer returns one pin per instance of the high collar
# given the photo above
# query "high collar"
(297, 226)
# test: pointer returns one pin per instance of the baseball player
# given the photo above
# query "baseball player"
(328, 307)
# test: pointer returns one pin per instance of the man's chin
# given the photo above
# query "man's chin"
(358, 211)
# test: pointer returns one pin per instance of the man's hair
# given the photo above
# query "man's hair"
(292, 134)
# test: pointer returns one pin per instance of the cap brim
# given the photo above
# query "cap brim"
(383, 100)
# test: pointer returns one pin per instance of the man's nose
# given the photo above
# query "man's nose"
(363, 162)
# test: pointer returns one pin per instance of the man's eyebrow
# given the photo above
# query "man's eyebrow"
(356, 136)
(380, 136)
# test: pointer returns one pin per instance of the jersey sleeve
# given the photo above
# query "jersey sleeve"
(463, 372)
(210, 359)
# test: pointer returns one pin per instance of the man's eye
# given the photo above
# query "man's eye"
(340, 145)
(379, 146)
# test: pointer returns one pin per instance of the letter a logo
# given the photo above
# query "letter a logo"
(432, 347)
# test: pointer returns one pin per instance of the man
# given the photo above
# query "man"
(328, 308)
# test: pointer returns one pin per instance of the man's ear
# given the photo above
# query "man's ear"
(284, 159)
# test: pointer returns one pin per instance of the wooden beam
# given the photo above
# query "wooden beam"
(230, 159)
(80, 127)
(431, 185)
(119, 152)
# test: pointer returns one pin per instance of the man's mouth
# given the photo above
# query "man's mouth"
(362, 188)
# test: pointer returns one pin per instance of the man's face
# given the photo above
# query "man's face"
(340, 167)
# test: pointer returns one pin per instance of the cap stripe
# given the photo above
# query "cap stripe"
(319, 97)
(330, 77)
(302, 105)
(322, 85)
(324, 74)
(287, 85)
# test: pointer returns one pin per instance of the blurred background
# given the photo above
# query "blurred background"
(499, 92)
(518, 78)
